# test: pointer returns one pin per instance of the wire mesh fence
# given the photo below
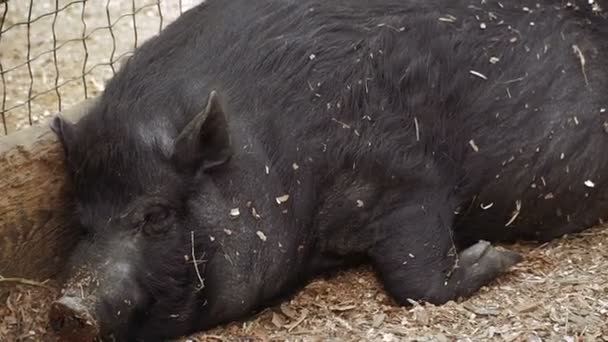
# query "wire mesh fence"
(55, 53)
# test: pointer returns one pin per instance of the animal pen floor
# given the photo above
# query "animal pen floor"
(559, 293)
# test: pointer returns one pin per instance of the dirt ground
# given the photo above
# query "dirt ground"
(559, 293)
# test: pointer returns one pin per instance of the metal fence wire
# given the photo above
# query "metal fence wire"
(56, 53)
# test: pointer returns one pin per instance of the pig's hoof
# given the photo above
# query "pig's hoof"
(71, 320)
(486, 258)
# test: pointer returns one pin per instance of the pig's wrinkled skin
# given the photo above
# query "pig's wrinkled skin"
(255, 144)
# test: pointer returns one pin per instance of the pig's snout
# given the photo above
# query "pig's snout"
(101, 316)
(101, 297)
(72, 318)
(97, 305)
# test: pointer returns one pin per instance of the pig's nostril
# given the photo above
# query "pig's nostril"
(71, 319)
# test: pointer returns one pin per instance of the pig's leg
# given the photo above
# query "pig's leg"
(416, 257)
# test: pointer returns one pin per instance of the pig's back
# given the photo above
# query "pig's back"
(496, 90)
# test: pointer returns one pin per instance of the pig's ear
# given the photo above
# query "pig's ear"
(64, 131)
(205, 141)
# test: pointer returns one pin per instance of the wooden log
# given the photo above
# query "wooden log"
(36, 221)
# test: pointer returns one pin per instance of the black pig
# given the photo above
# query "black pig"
(255, 144)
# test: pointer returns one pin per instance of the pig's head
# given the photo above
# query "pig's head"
(133, 272)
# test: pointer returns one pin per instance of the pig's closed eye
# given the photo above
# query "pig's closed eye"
(156, 214)
(157, 220)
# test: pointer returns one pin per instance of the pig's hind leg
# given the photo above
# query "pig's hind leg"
(417, 259)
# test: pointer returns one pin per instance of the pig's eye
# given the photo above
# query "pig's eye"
(157, 220)
(156, 214)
